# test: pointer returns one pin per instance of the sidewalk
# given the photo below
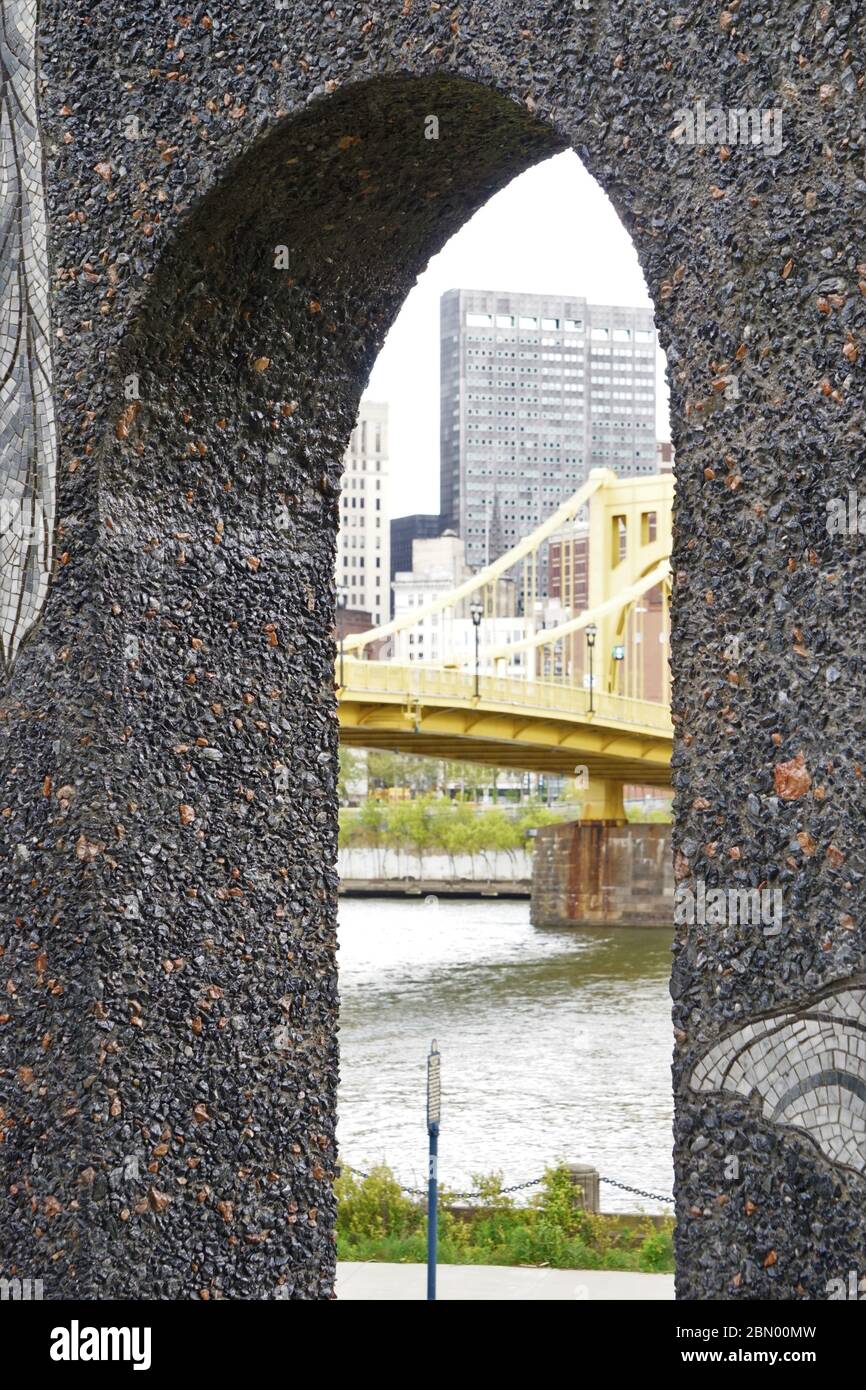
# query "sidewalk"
(391, 1283)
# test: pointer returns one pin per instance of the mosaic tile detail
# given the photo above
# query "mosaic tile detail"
(809, 1069)
(28, 439)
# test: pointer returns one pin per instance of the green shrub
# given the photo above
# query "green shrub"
(375, 1206)
(657, 1252)
(376, 1220)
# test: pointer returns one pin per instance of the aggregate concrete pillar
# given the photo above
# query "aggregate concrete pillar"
(207, 233)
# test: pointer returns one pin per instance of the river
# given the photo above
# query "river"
(556, 1044)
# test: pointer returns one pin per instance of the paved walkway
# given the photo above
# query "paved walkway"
(391, 1283)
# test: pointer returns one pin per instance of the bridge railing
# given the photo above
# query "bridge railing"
(443, 685)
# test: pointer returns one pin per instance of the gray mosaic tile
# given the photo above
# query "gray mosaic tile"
(27, 429)
(808, 1068)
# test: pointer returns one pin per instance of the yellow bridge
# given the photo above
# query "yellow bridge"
(587, 696)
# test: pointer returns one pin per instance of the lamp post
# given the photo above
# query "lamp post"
(342, 600)
(434, 1108)
(591, 634)
(618, 655)
(477, 613)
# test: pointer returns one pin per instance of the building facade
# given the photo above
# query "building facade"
(536, 390)
(405, 530)
(364, 541)
(439, 566)
(665, 456)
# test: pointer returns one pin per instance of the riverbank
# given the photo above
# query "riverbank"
(398, 872)
(378, 1220)
(555, 1044)
(435, 887)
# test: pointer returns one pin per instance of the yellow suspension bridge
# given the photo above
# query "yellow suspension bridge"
(588, 695)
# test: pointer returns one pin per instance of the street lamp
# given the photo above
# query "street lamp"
(342, 600)
(434, 1109)
(477, 613)
(591, 634)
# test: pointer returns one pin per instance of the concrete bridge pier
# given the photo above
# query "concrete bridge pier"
(602, 803)
(602, 873)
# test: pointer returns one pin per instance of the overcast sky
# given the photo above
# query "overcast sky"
(551, 230)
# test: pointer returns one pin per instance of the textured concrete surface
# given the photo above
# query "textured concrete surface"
(239, 197)
(392, 1283)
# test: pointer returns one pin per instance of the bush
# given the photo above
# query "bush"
(375, 1206)
(376, 1220)
(657, 1252)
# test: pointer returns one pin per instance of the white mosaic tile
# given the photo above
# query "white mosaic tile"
(808, 1068)
(27, 428)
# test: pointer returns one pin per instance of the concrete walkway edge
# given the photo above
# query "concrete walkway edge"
(396, 1283)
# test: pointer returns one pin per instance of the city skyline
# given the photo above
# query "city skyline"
(552, 231)
(535, 391)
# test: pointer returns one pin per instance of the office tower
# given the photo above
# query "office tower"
(536, 390)
(364, 542)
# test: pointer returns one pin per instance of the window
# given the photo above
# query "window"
(622, 335)
(527, 322)
(479, 320)
(504, 320)
(550, 323)
(601, 335)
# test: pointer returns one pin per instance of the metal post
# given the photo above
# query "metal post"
(434, 1096)
(591, 632)
(477, 613)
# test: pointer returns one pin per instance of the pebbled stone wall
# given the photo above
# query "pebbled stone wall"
(238, 199)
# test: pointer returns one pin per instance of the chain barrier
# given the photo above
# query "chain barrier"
(518, 1187)
(638, 1191)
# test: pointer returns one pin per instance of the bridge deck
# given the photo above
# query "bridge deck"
(513, 722)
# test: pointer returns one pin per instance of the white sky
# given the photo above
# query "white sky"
(552, 230)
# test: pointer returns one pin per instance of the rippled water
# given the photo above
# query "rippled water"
(555, 1043)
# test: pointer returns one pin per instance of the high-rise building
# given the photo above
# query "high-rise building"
(364, 543)
(405, 530)
(536, 390)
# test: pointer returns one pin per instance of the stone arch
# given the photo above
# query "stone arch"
(170, 736)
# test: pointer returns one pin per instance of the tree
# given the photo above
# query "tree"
(416, 824)
(350, 771)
